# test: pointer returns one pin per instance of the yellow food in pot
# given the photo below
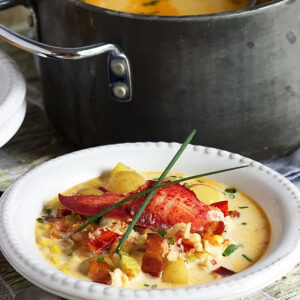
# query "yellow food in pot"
(171, 7)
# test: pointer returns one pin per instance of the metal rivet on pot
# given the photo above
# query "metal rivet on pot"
(118, 67)
(120, 90)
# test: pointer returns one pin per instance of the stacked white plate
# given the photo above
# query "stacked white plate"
(12, 99)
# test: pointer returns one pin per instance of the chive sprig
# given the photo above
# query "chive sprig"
(157, 184)
(110, 208)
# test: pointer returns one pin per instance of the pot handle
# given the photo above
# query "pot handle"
(118, 64)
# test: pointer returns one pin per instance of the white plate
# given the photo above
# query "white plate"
(23, 201)
(12, 99)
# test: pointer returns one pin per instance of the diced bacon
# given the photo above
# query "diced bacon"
(152, 260)
(187, 244)
(100, 272)
(224, 272)
(222, 206)
(79, 237)
(103, 239)
(214, 228)
(59, 227)
(234, 214)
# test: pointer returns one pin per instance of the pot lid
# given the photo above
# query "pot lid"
(12, 99)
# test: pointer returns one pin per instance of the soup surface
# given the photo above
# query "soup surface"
(193, 232)
(171, 7)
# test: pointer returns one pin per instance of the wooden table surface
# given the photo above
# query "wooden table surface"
(36, 142)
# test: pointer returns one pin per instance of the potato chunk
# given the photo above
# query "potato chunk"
(120, 167)
(176, 272)
(206, 193)
(124, 182)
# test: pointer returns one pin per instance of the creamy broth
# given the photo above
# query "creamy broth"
(171, 7)
(246, 227)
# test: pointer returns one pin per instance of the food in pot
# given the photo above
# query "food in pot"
(171, 7)
(190, 233)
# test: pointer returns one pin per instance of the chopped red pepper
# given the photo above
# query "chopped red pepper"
(99, 272)
(152, 260)
(224, 272)
(104, 239)
(222, 206)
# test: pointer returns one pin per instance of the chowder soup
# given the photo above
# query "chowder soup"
(171, 7)
(190, 233)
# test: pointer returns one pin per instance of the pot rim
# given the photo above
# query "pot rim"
(205, 17)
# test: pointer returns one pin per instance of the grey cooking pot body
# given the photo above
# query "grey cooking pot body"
(234, 76)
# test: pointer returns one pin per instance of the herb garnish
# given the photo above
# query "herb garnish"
(247, 258)
(105, 211)
(100, 258)
(171, 241)
(154, 286)
(229, 250)
(48, 211)
(243, 207)
(40, 220)
(146, 284)
(161, 232)
(230, 190)
(244, 223)
(69, 254)
(158, 183)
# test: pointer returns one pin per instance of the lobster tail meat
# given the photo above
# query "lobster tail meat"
(168, 206)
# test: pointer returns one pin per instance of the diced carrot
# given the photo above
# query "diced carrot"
(99, 272)
(152, 260)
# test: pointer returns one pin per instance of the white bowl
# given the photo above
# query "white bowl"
(23, 201)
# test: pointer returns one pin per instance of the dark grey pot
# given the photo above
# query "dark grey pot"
(234, 76)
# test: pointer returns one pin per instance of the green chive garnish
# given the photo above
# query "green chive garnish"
(161, 232)
(105, 211)
(186, 184)
(243, 207)
(69, 254)
(157, 184)
(230, 190)
(146, 284)
(100, 258)
(154, 286)
(40, 220)
(171, 241)
(229, 250)
(231, 196)
(247, 258)
(48, 211)
(244, 223)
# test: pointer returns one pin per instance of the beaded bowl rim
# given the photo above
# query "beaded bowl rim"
(39, 272)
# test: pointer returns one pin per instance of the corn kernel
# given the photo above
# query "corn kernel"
(46, 227)
(55, 249)
(54, 260)
(44, 242)
(218, 239)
